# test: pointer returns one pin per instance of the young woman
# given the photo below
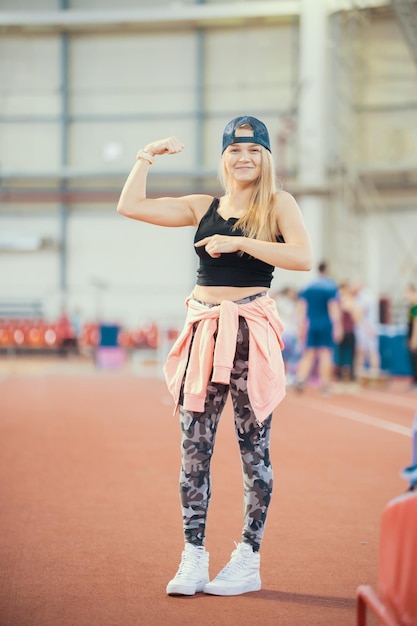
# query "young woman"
(231, 338)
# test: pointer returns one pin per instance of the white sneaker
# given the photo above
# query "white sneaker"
(240, 575)
(192, 573)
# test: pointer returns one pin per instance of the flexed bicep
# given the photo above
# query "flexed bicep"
(168, 211)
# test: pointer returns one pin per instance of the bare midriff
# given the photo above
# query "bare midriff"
(215, 295)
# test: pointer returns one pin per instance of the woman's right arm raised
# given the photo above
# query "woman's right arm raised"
(133, 202)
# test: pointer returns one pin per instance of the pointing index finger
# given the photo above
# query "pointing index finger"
(202, 242)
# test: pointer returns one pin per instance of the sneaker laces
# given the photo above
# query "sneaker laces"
(190, 560)
(239, 559)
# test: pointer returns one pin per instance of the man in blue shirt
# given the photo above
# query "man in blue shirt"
(321, 319)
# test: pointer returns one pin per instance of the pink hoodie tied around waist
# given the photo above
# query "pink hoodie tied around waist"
(213, 360)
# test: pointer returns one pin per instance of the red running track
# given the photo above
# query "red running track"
(90, 526)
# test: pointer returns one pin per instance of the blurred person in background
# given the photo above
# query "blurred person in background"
(346, 347)
(231, 340)
(411, 296)
(288, 309)
(321, 323)
(67, 340)
(367, 357)
(77, 323)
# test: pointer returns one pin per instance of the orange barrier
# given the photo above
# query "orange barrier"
(395, 604)
(28, 334)
(39, 334)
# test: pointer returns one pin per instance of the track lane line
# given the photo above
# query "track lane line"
(389, 398)
(356, 416)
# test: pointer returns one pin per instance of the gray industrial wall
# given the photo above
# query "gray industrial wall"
(78, 99)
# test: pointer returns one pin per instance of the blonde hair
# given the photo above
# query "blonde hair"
(259, 221)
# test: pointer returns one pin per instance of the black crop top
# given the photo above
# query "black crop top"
(229, 269)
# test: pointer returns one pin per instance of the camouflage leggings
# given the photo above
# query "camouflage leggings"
(198, 432)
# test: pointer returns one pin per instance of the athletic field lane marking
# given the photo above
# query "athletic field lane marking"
(358, 417)
(390, 398)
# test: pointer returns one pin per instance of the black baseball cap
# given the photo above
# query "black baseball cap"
(260, 132)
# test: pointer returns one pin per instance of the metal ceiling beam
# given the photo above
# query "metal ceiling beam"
(199, 15)
(178, 15)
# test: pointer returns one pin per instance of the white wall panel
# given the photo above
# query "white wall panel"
(133, 74)
(388, 71)
(31, 223)
(29, 87)
(387, 98)
(30, 147)
(118, 269)
(29, 76)
(250, 71)
(146, 271)
(29, 274)
(29, 5)
(250, 68)
(388, 138)
(396, 234)
(88, 144)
